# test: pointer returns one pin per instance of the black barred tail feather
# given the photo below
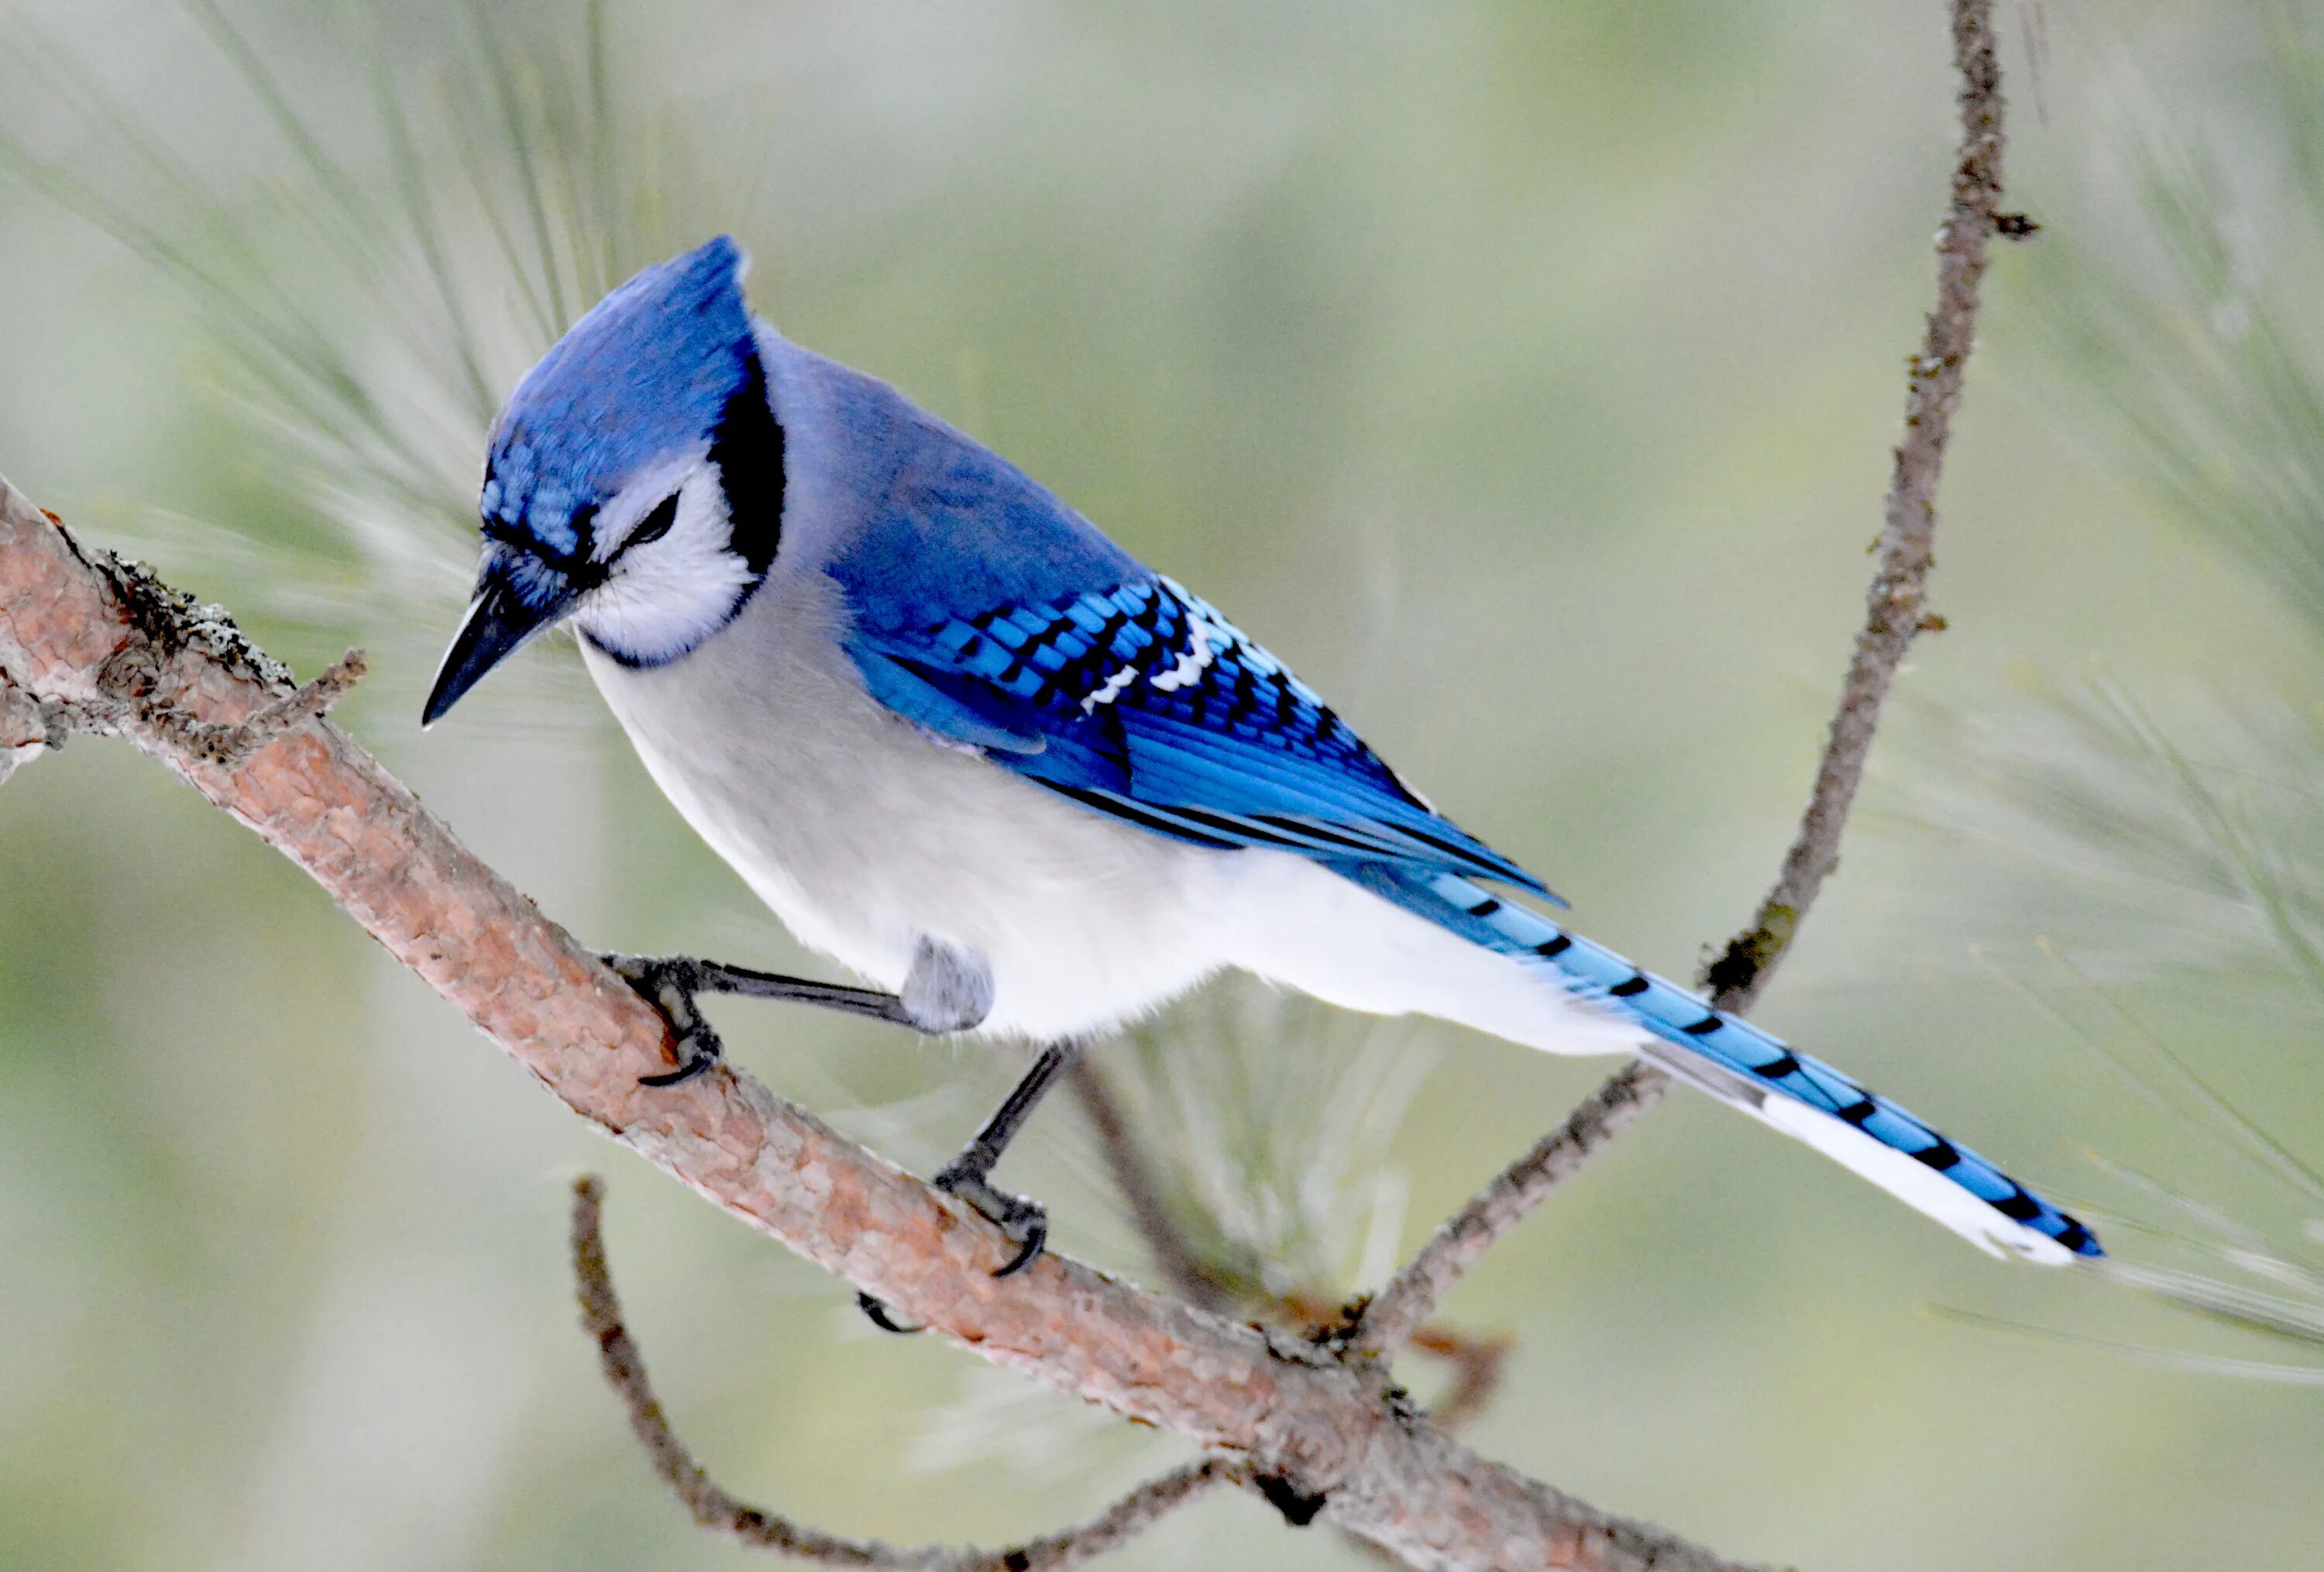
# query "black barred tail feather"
(1737, 1063)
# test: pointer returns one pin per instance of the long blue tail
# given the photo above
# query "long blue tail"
(1738, 1063)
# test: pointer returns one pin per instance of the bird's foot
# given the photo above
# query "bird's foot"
(1025, 1223)
(669, 984)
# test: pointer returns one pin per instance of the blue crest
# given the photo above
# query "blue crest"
(648, 372)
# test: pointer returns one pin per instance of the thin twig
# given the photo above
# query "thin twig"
(1896, 615)
(1320, 1437)
(1895, 608)
(1476, 1360)
(310, 701)
(713, 1509)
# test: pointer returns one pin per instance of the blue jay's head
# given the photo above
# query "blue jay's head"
(636, 478)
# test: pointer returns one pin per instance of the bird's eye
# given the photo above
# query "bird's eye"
(656, 524)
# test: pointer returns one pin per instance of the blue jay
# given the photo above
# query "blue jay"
(973, 750)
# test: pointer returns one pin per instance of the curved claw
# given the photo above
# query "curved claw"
(876, 1312)
(698, 1065)
(1036, 1239)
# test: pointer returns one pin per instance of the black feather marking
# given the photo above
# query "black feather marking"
(1058, 627)
(584, 531)
(1246, 693)
(1940, 1156)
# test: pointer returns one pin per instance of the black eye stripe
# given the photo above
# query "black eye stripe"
(655, 524)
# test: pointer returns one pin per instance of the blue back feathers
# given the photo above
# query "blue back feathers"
(649, 372)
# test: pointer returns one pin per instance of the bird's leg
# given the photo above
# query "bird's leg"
(947, 990)
(969, 1176)
(669, 984)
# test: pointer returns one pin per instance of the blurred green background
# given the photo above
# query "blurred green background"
(1525, 374)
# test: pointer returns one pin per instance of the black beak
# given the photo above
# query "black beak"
(496, 625)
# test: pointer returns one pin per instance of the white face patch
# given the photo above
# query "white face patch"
(665, 595)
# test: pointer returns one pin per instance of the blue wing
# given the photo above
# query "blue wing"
(1141, 701)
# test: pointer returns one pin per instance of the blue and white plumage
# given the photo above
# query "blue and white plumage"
(927, 710)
